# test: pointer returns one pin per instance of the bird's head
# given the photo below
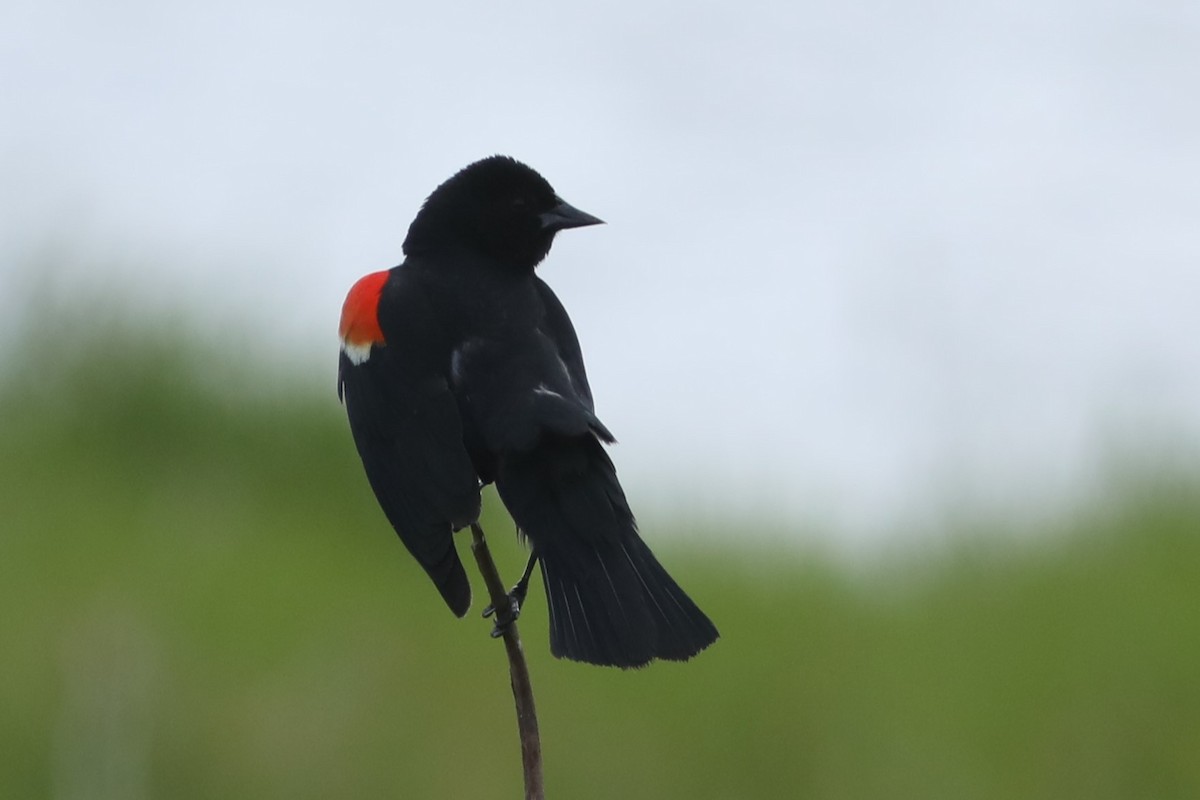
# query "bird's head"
(498, 207)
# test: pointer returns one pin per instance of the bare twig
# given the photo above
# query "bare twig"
(531, 744)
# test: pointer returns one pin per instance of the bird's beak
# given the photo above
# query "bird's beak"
(564, 215)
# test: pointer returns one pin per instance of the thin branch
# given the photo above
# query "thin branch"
(527, 726)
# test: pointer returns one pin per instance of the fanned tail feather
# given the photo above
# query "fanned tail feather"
(610, 600)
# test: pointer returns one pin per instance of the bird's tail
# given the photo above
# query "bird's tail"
(611, 602)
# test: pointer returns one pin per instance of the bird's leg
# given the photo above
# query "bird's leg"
(522, 586)
(516, 597)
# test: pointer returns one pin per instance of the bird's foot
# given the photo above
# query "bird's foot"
(515, 598)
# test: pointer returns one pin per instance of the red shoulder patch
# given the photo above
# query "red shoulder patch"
(359, 327)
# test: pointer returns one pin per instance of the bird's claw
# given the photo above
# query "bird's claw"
(515, 598)
(504, 620)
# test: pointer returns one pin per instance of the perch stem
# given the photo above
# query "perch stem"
(518, 670)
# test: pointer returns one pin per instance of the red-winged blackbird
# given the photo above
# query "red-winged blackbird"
(460, 368)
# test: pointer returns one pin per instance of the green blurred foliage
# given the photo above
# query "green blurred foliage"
(200, 598)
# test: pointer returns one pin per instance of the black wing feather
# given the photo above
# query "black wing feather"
(556, 325)
(406, 427)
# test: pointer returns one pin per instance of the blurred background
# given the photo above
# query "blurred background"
(894, 316)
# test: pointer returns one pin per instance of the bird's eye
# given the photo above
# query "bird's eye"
(519, 202)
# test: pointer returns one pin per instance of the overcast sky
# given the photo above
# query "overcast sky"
(861, 257)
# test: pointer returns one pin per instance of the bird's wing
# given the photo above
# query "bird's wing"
(557, 327)
(516, 390)
(406, 426)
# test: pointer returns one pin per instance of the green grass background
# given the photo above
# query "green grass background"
(199, 598)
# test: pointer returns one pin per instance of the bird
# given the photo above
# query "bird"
(460, 368)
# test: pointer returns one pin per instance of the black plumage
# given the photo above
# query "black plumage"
(460, 367)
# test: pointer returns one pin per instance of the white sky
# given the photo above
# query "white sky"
(861, 257)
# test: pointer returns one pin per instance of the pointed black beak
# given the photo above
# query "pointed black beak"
(564, 215)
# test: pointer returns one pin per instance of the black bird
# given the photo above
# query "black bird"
(460, 368)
